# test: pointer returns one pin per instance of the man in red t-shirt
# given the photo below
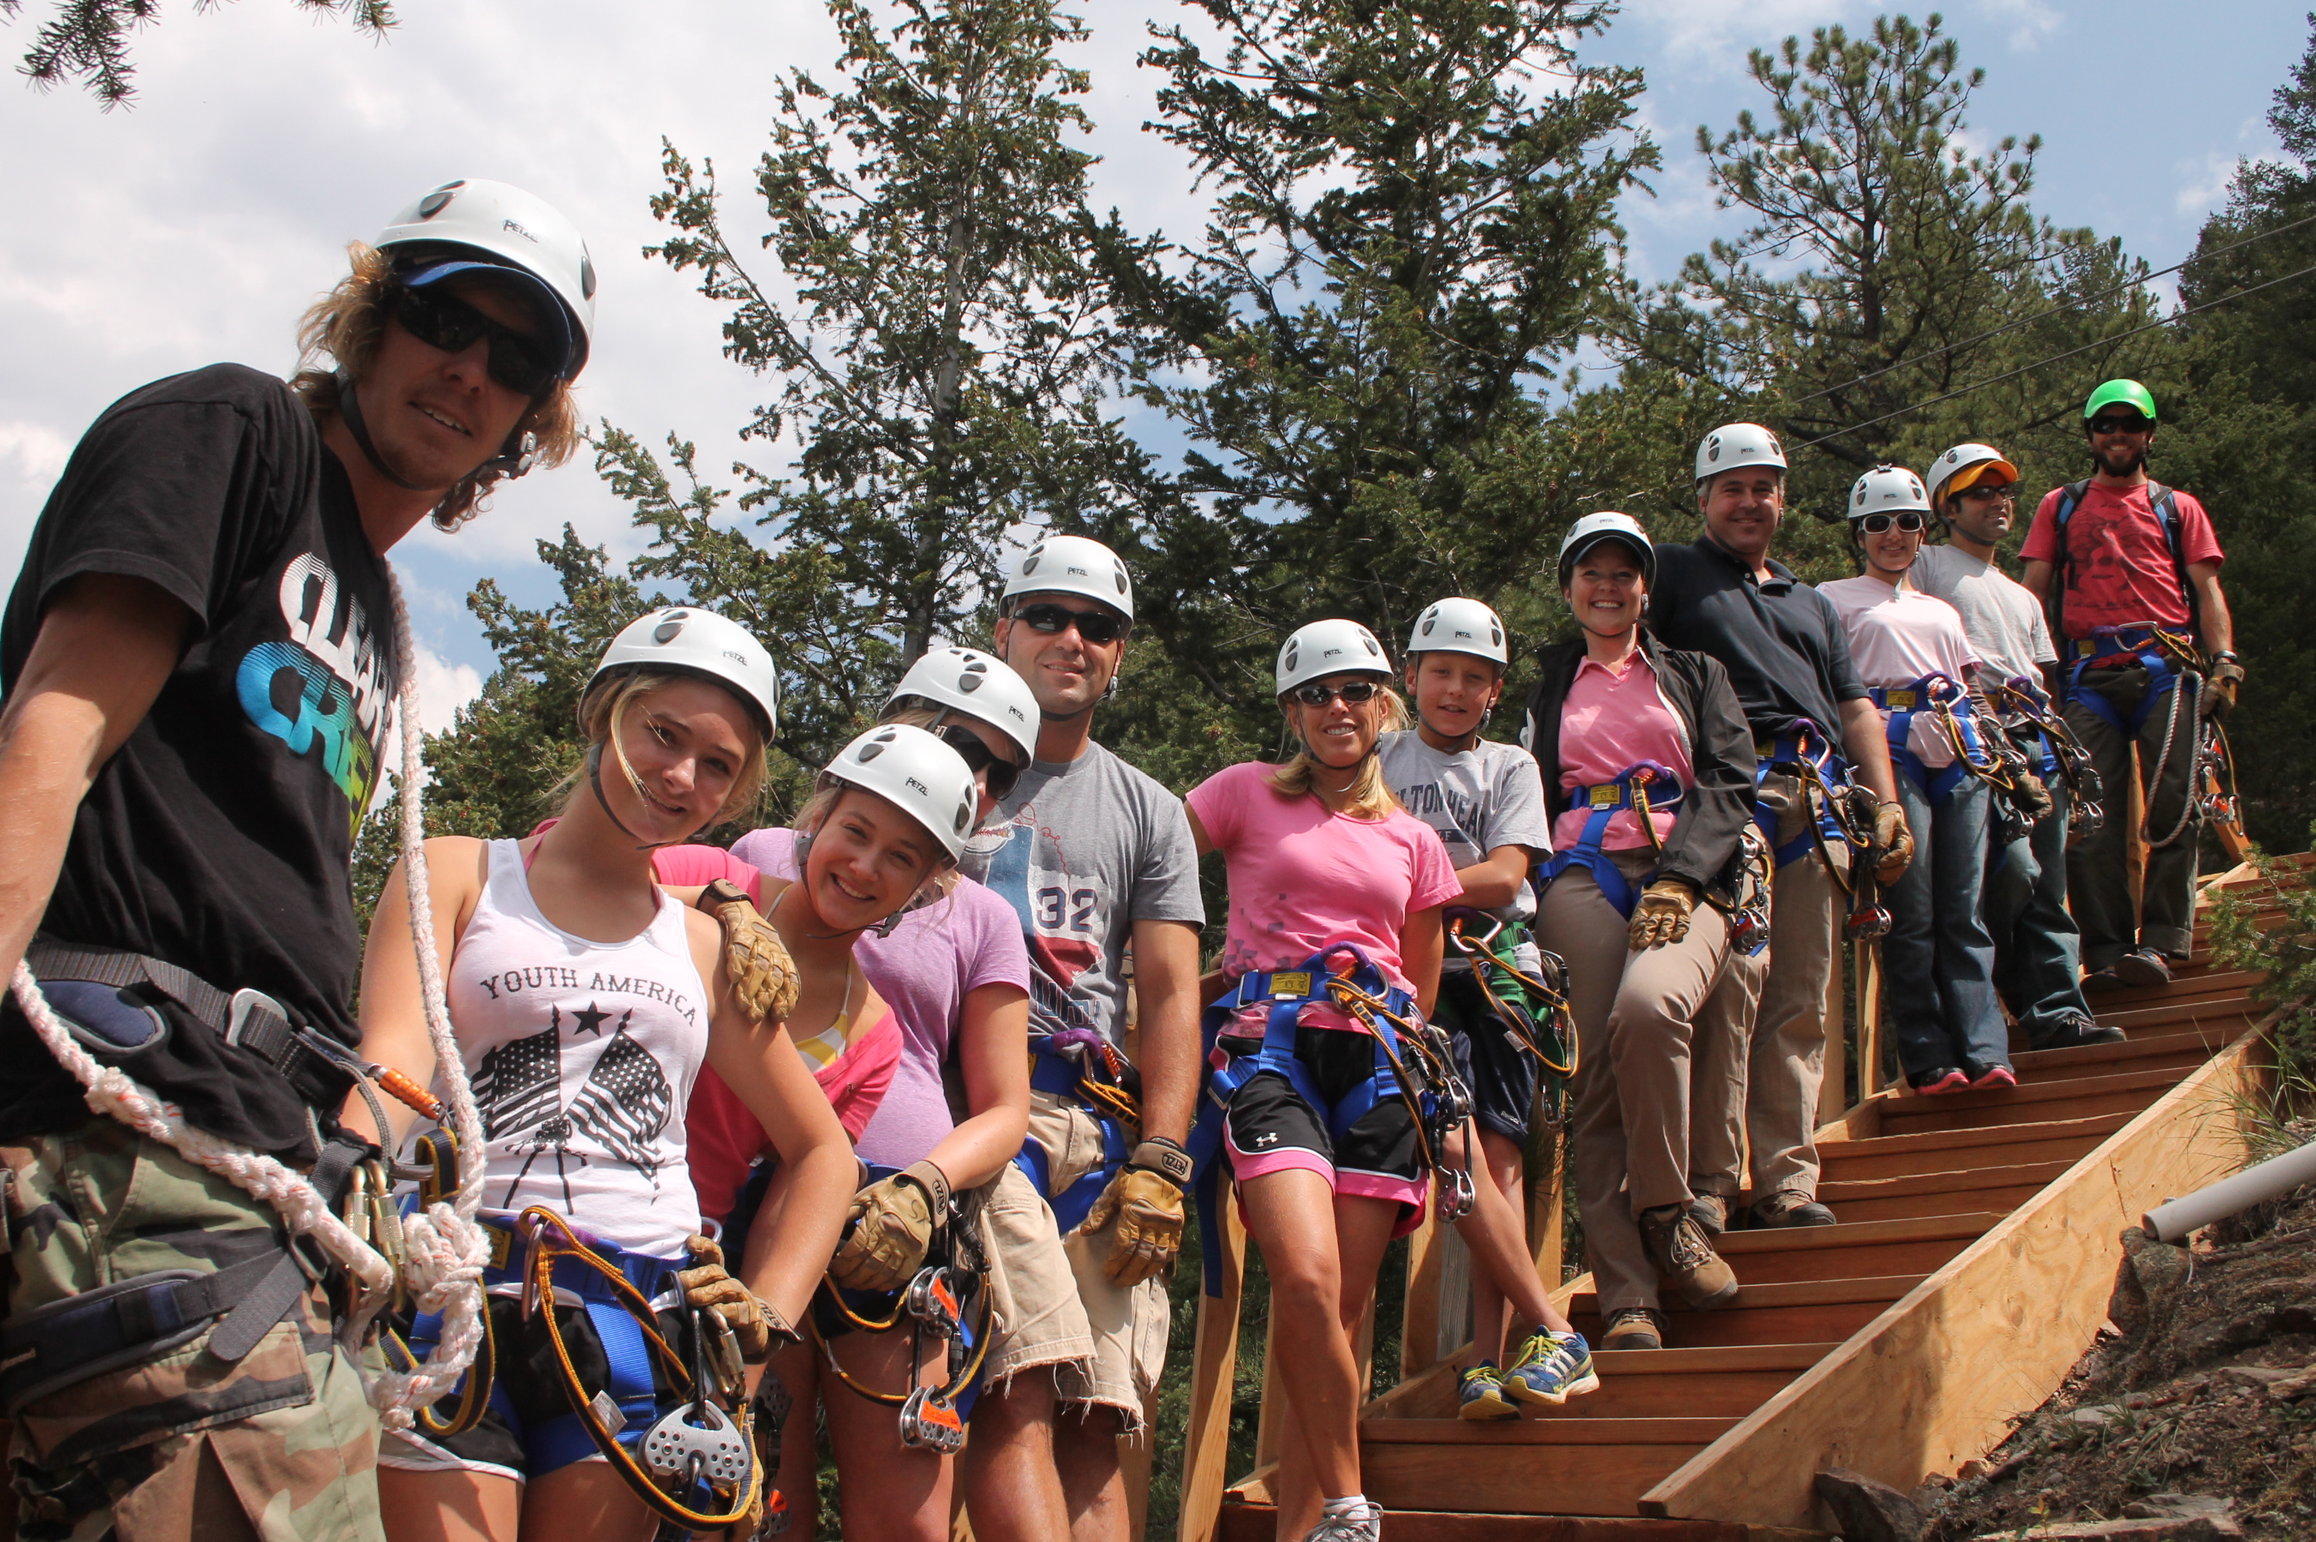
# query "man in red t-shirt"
(2133, 564)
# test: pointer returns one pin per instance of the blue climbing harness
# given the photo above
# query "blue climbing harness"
(1602, 802)
(1947, 705)
(1805, 752)
(1423, 1078)
(1079, 1064)
(565, 1439)
(2160, 651)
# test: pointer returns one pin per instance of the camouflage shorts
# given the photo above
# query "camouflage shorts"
(280, 1446)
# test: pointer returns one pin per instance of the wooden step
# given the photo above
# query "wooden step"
(1257, 1523)
(2183, 1047)
(1787, 1312)
(1605, 1477)
(2078, 1097)
(1852, 1248)
(2198, 983)
(1938, 1193)
(2223, 1016)
(1934, 1151)
(1658, 1383)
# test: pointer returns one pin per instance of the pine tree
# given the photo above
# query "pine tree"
(938, 354)
(1413, 224)
(88, 40)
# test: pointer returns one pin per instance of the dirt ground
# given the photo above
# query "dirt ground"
(2207, 1387)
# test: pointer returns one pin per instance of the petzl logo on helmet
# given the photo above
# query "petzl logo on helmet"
(519, 230)
(913, 784)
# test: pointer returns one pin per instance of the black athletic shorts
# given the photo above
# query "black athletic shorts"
(1269, 1127)
(1502, 1075)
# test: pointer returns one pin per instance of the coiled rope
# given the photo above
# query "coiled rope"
(446, 1249)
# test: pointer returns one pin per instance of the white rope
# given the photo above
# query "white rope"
(445, 1248)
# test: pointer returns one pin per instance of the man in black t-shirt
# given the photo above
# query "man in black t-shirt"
(200, 660)
(1786, 655)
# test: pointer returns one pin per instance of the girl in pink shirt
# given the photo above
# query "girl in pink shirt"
(1319, 853)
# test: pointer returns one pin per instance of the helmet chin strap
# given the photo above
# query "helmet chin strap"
(350, 412)
(595, 784)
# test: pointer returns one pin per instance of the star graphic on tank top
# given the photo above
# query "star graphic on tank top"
(589, 1021)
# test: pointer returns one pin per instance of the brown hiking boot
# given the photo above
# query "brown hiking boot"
(1677, 1246)
(1634, 1327)
(1711, 1213)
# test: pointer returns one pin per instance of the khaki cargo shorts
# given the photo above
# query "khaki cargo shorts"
(281, 1446)
(1105, 1342)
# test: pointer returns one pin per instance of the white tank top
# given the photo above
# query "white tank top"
(582, 1056)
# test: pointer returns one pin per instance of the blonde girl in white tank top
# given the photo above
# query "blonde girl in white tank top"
(582, 967)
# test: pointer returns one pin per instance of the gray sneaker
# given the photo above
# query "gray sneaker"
(1364, 1525)
(1787, 1208)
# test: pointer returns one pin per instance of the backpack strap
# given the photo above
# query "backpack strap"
(2165, 502)
(2070, 499)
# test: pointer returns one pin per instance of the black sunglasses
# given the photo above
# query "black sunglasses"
(2003, 494)
(2131, 425)
(1875, 524)
(450, 324)
(1095, 626)
(1318, 693)
(998, 772)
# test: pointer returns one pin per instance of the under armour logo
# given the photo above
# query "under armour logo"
(1266, 1140)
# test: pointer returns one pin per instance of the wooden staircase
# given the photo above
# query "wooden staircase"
(1971, 1268)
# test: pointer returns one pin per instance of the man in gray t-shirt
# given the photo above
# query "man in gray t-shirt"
(2037, 949)
(1097, 860)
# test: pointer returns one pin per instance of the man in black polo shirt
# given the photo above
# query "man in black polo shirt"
(1782, 645)
(201, 664)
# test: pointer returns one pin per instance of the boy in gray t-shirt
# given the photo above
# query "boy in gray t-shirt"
(1486, 800)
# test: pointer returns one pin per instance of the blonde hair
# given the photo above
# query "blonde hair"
(604, 708)
(343, 327)
(1371, 796)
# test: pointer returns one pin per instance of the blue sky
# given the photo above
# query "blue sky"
(194, 227)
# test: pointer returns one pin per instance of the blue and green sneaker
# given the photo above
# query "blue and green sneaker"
(1551, 1368)
(1480, 1394)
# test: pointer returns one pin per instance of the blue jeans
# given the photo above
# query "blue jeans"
(1938, 961)
(2038, 954)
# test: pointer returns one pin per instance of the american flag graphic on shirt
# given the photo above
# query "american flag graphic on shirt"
(518, 1086)
(625, 1102)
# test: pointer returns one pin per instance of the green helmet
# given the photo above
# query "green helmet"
(2128, 393)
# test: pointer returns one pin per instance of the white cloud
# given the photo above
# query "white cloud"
(2204, 184)
(2030, 21)
(443, 688)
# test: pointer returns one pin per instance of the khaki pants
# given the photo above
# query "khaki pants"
(1786, 1064)
(1661, 1079)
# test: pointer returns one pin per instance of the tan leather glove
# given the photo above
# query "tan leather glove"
(1145, 1202)
(764, 977)
(890, 1228)
(2220, 685)
(709, 1285)
(1893, 842)
(1661, 914)
(2032, 797)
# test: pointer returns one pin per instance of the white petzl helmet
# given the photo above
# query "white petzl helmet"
(1329, 648)
(700, 642)
(1738, 444)
(1609, 525)
(1965, 457)
(1460, 625)
(1073, 564)
(981, 686)
(918, 774)
(1886, 490)
(505, 227)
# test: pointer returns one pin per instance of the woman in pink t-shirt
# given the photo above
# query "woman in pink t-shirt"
(1319, 853)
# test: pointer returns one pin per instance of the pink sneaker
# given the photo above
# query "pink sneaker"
(1996, 1075)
